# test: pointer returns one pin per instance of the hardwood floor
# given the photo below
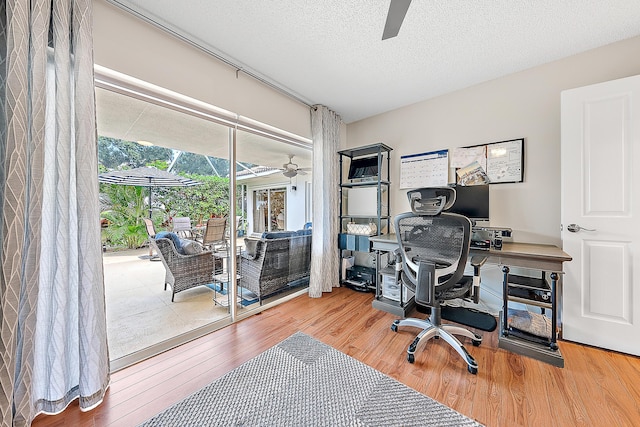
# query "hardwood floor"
(596, 387)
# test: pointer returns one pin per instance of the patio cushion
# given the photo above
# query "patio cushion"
(251, 245)
(191, 247)
(177, 242)
(277, 234)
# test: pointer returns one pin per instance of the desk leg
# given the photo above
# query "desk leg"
(554, 285)
(505, 301)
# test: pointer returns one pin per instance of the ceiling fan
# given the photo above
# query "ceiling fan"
(291, 169)
(397, 11)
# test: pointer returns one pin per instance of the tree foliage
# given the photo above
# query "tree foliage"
(191, 163)
(127, 208)
(200, 202)
(118, 154)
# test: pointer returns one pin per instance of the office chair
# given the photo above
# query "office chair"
(433, 250)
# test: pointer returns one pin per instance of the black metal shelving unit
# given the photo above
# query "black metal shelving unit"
(360, 242)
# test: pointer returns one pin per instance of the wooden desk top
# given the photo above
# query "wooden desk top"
(531, 250)
(514, 253)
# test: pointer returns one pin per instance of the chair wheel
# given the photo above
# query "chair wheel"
(394, 327)
(476, 343)
(411, 358)
(472, 369)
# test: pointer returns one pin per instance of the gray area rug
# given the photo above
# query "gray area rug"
(303, 382)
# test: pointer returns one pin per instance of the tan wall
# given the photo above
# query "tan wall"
(525, 104)
(128, 45)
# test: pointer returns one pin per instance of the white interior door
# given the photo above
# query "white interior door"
(601, 192)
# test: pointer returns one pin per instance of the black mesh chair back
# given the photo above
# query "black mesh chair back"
(441, 244)
(433, 246)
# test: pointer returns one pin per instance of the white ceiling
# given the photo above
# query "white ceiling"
(330, 51)
(130, 119)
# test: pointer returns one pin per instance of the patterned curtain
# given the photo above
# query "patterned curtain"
(325, 131)
(53, 343)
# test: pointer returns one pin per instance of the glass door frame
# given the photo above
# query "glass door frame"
(113, 81)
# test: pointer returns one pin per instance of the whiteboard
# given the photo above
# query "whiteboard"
(425, 169)
(505, 161)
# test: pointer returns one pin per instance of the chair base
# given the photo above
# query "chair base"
(446, 332)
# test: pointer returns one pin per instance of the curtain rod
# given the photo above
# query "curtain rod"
(210, 52)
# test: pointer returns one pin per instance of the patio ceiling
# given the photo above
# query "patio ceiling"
(123, 117)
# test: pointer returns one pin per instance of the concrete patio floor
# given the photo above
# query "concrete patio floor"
(140, 312)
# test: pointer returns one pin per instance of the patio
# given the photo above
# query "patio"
(140, 312)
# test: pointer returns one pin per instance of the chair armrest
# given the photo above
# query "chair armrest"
(477, 261)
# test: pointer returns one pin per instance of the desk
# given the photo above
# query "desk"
(544, 258)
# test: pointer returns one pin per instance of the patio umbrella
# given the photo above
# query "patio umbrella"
(146, 177)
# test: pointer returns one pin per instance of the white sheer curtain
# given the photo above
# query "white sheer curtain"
(53, 344)
(325, 130)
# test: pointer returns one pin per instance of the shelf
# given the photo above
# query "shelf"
(528, 282)
(535, 350)
(375, 217)
(373, 183)
(367, 150)
(370, 202)
(359, 285)
(530, 302)
(223, 300)
(393, 307)
(388, 271)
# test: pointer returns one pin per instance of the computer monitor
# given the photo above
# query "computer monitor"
(472, 201)
(363, 168)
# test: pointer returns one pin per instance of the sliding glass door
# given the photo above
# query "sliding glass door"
(153, 303)
(269, 212)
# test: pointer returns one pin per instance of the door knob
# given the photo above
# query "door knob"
(574, 228)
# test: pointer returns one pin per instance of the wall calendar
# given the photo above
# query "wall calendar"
(425, 169)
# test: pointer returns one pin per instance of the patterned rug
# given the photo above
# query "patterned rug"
(303, 382)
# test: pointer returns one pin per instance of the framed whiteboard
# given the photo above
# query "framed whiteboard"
(505, 161)
(500, 162)
(424, 169)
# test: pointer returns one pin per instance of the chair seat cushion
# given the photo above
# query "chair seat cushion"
(461, 289)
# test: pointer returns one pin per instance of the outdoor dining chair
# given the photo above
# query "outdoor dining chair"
(214, 235)
(182, 227)
(151, 233)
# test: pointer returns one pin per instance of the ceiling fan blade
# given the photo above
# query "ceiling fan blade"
(397, 11)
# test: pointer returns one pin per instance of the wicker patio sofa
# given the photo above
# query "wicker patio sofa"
(184, 271)
(275, 262)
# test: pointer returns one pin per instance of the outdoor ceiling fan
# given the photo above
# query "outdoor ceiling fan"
(397, 11)
(291, 169)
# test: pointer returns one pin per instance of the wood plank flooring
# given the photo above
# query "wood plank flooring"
(596, 387)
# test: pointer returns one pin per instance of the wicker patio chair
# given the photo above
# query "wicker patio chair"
(185, 271)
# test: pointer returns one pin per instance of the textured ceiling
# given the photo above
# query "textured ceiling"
(330, 51)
